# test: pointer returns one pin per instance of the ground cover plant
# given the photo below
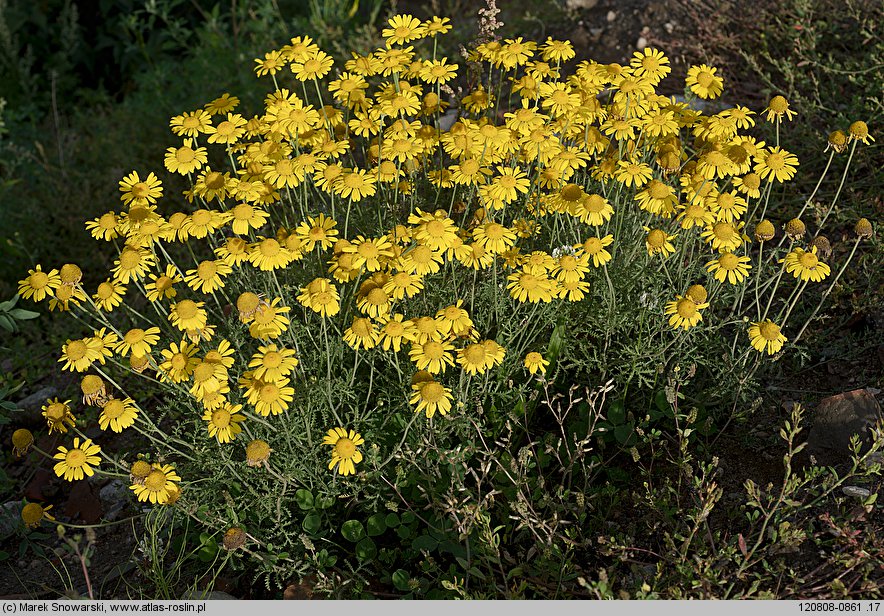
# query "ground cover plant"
(401, 348)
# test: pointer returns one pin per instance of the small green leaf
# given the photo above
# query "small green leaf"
(376, 525)
(304, 498)
(408, 517)
(401, 579)
(424, 542)
(7, 323)
(366, 549)
(353, 530)
(392, 520)
(617, 413)
(623, 433)
(312, 523)
(23, 315)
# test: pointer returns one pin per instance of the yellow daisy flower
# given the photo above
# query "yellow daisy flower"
(77, 462)
(345, 455)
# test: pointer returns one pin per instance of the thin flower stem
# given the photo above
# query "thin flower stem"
(827, 291)
(840, 186)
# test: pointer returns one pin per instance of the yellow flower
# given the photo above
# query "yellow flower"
(33, 513)
(535, 363)
(191, 124)
(223, 423)
(777, 108)
(132, 264)
(430, 396)
(185, 159)
(162, 286)
(188, 314)
(703, 81)
(766, 336)
(685, 312)
(345, 455)
(730, 267)
(179, 362)
(138, 341)
(805, 265)
(58, 414)
(78, 461)
(530, 287)
(267, 398)
(659, 242)
(117, 414)
(158, 486)
(140, 192)
(361, 334)
(223, 104)
(775, 164)
(433, 356)
(39, 284)
(314, 66)
(272, 363)
(594, 247)
(208, 276)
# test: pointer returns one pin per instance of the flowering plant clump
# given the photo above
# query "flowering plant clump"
(371, 266)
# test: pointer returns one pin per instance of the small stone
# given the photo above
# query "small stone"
(641, 43)
(36, 400)
(581, 4)
(669, 27)
(10, 518)
(856, 492)
(837, 419)
(612, 15)
(114, 497)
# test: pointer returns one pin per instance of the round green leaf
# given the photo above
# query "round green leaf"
(424, 542)
(400, 580)
(376, 525)
(312, 523)
(304, 498)
(366, 549)
(392, 520)
(353, 530)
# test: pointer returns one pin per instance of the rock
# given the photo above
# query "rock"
(83, 503)
(10, 518)
(856, 492)
(114, 497)
(581, 4)
(641, 43)
(836, 419)
(611, 16)
(40, 487)
(212, 595)
(36, 400)
(669, 27)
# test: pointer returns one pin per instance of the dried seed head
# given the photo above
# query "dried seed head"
(863, 228)
(795, 229)
(234, 538)
(764, 231)
(823, 245)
